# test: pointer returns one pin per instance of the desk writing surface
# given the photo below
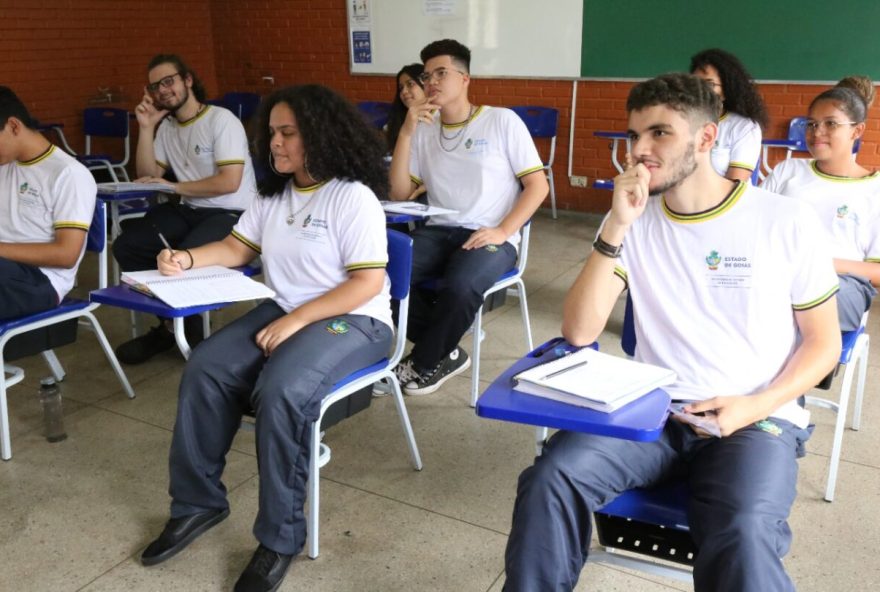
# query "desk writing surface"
(124, 297)
(642, 420)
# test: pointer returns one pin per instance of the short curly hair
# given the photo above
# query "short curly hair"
(336, 139)
(458, 52)
(741, 96)
(11, 106)
(685, 93)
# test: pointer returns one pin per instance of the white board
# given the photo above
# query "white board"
(507, 38)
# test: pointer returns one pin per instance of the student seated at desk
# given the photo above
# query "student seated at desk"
(724, 278)
(738, 146)
(845, 194)
(207, 149)
(47, 202)
(410, 91)
(481, 162)
(321, 232)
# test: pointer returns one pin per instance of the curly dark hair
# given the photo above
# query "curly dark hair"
(459, 53)
(198, 88)
(397, 113)
(685, 93)
(741, 96)
(337, 140)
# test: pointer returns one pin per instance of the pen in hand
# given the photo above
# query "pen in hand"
(168, 246)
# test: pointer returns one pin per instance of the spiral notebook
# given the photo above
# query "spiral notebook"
(195, 287)
(588, 378)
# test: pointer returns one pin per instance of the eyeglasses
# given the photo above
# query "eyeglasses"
(408, 85)
(439, 74)
(164, 83)
(828, 125)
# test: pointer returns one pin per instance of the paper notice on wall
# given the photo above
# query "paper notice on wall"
(360, 13)
(439, 7)
(361, 47)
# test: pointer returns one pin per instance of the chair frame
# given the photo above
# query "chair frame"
(94, 162)
(70, 308)
(796, 134)
(512, 279)
(533, 117)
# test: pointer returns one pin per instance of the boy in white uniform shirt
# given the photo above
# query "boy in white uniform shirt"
(482, 162)
(207, 149)
(724, 277)
(47, 201)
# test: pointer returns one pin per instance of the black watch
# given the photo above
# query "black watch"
(609, 250)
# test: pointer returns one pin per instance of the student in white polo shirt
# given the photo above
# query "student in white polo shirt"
(481, 162)
(207, 149)
(47, 201)
(733, 288)
(845, 194)
(738, 145)
(320, 230)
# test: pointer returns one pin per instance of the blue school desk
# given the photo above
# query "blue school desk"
(616, 138)
(642, 420)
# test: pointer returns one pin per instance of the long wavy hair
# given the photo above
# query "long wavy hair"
(741, 96)
(337, 141)
(397, 113)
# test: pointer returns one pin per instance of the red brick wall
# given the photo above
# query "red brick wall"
(55, 54)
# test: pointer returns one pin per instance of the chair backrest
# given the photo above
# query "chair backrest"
(399, 270)
(541, 122)
(243, 104)
(797, 132)
(96, 240)
(105, 122)
(375, 112)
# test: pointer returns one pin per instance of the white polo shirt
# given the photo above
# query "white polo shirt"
(848, 208)
(339, 228)
(714, 293)
(738, 144)
(42, 195)
(197, 148)
(474, 167)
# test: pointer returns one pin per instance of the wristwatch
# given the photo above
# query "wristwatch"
(603, 248)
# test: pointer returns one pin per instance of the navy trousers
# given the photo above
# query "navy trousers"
(439, 318)
(742, 489)
(24, 290)
(228, 374)
(854, 298)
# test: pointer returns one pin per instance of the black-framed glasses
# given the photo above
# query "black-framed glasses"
(829, 125)
(439, 74)
(163, 83)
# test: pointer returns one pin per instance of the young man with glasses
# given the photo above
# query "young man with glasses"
(47, 202)
(481, 162)
(207, 149)
(734, 289)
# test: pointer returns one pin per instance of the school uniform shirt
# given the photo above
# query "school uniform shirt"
(339, 227)
(714, 294)
(848, 208)
(738, 144)
(474, 167)
(38, 197)
(197, 148)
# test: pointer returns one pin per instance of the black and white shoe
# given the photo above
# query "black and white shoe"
(426, 383)
(405, 373)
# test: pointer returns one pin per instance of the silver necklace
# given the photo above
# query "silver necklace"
(291, 218)
(459, 134)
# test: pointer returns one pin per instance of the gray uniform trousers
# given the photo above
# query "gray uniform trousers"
(228, 374)
(853, 299)
(742, 488)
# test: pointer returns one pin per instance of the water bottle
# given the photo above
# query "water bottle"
(53, 420)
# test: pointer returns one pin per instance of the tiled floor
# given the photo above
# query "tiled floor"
(77, 514)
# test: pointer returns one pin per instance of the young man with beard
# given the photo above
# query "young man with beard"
(481, 162)
(733, 291)
(207, 149)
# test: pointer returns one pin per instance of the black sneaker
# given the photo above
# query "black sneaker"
(428, 382)
(142, 348)
(405, 373)
(265, 571)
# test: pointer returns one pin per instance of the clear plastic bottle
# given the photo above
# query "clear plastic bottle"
(53, 420)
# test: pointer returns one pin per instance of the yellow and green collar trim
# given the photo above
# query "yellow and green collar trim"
(39, 158)
(195, 118)
(466, 121)
(815, 168)
(726, 204)
(309, 189)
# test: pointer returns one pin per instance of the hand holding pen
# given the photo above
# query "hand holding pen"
(169, 261)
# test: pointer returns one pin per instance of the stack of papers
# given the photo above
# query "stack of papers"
(195, 287)
(414, 208)
(588, 378)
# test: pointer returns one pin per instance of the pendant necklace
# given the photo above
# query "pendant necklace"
(291, 218)
(459, 134)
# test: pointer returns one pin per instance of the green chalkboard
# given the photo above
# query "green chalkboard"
(796, 40)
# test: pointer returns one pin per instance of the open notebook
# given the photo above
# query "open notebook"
(194, 287)
(589, 378)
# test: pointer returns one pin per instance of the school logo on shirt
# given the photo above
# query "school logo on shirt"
(307, 221)
(23, 187)
(28, 193)
(728, 271)
(842, 211)
(713, 260)
(478, 146)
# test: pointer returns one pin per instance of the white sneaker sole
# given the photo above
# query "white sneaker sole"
(436, 386)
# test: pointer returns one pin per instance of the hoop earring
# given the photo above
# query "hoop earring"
(274, 170)
(306, 167)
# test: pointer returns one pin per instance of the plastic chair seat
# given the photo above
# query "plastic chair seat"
(543, 122)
